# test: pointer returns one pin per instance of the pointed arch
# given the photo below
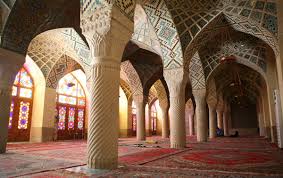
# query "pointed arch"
(144, 32)
(166, 31)
(196, 73)
(62, 67)
(37, 17)
(49, 47)
(129, 74)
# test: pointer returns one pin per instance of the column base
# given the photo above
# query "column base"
(202, 140)
(165, 136)
(3, 148)
(103, 163)
(141, 139)
(178, 145)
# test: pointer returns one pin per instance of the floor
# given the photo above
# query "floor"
(220, 157)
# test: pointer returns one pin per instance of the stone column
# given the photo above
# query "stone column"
(165, 121)
(219, 118)
(104, 111)
(140, 109)
(226, 123)
(201, 116)
(148, 121)
(107, 38)
(189, 118)
(226, 117)
(176, 80)
(279, 58)
(212, 121)
(191, 124)
(10, 64)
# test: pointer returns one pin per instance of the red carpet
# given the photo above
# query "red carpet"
(221, 157)
(143, 157)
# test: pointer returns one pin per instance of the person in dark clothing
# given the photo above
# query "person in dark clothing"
(219, 132)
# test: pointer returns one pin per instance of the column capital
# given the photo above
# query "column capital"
(104, 31)
(140, 99)
(199, 94)
(211, 106)
(163, 104)
(176, 81)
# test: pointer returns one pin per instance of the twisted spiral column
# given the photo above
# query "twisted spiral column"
(176, 80)
(103, 117)
(201, 116)
(212, 121)
(177, 122)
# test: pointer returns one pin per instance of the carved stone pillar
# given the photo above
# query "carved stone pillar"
(226, 123)
(104, 111)
(10, 64)
(176, 80)
(226, 117)
(261, 125)
(219, 118)
(140, 108)
(191, 124)
(165, 121)
(201, 115)
(212, 121)
(189, 118)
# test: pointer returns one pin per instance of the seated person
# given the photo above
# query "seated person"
(219, 132)
(236, 134)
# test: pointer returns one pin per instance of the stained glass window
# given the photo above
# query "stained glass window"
(70, 91)
(71, 121)
(71, 105)
(153, 118)
(23, 115)
(80, 119)
(25, 79)
(62, 118)
(21, 107)
(25, 93)
(23, 84)
(14, 91)
(11, 114)
(134, 117)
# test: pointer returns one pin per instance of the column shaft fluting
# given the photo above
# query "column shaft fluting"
(201, 118)
(103, 117)
(177, 122)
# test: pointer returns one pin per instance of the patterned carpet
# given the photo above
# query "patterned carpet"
(221, 157)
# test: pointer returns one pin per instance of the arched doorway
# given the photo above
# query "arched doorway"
(153, 115)
(21, 107)
(71, 104)
(134, 119)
